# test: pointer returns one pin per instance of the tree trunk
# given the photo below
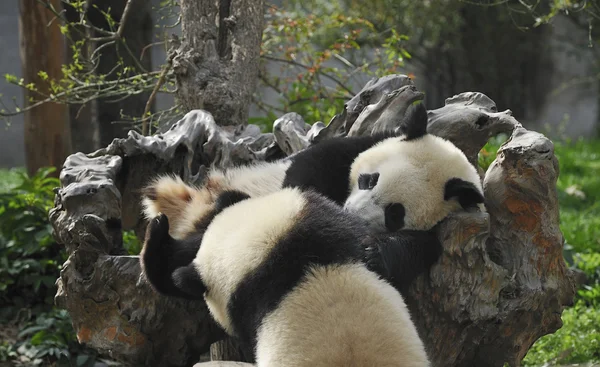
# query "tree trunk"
(47, 130)
(216, 64)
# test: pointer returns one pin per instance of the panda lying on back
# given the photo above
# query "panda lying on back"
(284, 274)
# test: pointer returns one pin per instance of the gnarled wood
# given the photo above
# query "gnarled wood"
(500, 284)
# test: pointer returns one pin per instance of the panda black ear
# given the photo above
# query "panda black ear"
(229, 198)
(467, 194)
(188, 281)
(414, 124)
(367, 181)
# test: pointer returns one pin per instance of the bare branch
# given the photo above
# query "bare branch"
(102, 89)
(328, 76)
(151, 45)
(159, 83)
(118, 34)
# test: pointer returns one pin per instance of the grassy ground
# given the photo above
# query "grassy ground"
(579, 194)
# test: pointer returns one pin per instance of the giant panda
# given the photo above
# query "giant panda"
(284, 274)
(415, 168)
(412, 181)
(403, 185)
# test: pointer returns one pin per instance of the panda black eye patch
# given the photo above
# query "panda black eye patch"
(367, 181)
(394, 217)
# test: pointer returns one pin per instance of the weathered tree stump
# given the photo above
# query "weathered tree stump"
(500, 284)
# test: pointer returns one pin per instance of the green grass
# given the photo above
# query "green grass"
(577, 341)
(580, 215)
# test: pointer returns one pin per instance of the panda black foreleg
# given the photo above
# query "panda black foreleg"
(162, 255)
(167, 262)
(187, 280)
(401, 256)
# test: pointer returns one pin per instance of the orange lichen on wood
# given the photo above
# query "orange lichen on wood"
(524, 170)
(543, 242)
(552, 260)
(527, 213)
(110, 333)
(131, 337)
(469, 231)
(84, 335)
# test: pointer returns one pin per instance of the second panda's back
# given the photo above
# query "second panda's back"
(340, 315)
(284, 271)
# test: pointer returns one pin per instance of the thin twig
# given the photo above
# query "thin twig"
(124, 18)
(295, 63)
(150, 45)
(268, 83)
(102, 86)
(159, 83)
(322, 96)
(118, 34)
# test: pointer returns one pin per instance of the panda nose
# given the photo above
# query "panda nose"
(367, 181)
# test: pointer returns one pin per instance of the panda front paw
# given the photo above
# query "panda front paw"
(157, 234)
(373, 260)
(158, 228)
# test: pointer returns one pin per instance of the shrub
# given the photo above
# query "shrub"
(29, 258)
(30, 262)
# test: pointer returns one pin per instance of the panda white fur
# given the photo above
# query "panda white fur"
(185, 205)
(412, 183)
(423, 179)
(284, 274)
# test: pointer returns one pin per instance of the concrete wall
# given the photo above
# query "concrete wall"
(11, 136)
(570, 107)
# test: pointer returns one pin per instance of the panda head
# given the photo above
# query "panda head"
(412, 182)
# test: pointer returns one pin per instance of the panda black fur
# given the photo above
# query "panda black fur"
(161, 261)
(398, 184)
(284, 273)
(412, 181)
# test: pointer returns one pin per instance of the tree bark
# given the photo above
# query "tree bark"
(47, 130)
(216, 64)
